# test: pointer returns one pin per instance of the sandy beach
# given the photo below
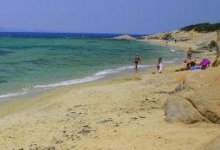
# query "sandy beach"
(109, 75)
(123, 113)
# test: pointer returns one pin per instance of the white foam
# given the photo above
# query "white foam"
(117, 70)
(9, 95)
(105, 72)
(175, 51)
(96, 76)
(70, 82)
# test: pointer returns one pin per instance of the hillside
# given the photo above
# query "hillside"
(202, 27)
(199, 41)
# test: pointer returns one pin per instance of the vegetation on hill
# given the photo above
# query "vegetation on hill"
(202, 27)
(167, 36)
(212, 44)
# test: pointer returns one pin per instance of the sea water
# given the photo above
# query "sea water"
(37, 61)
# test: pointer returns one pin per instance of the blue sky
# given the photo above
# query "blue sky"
(106, 16)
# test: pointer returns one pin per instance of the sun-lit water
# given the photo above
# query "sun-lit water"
(29, 61)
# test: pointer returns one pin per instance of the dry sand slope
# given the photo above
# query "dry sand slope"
(119, 114)
(185, 39)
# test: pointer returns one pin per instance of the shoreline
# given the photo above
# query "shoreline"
(100, 75)
(30, 98)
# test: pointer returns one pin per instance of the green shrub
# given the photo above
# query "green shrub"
(212, 44)
(202, 27)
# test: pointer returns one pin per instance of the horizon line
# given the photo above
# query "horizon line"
(53, 32)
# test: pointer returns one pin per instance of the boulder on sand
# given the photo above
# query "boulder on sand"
(196, 100)
(178, 109)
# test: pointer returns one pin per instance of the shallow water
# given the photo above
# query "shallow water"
(30, 61)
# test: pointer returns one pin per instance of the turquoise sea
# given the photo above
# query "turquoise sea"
(38, 61)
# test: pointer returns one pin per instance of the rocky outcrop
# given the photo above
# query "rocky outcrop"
(197, 98)
(124, 37)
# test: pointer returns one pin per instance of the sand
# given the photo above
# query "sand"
(121, 113)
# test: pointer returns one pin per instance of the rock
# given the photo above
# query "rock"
(213, 145)
(178, 109)
(196, 98)
(207, 102)
(124, 37)
(206, 96)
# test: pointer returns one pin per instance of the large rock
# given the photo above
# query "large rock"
(205, 93)
(196, 97)
(207, 102)
(178, 109)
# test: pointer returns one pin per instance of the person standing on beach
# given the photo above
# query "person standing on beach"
(136, 61)
(159, 65)
(189, 53)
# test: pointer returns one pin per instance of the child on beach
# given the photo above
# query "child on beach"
(159, 65)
